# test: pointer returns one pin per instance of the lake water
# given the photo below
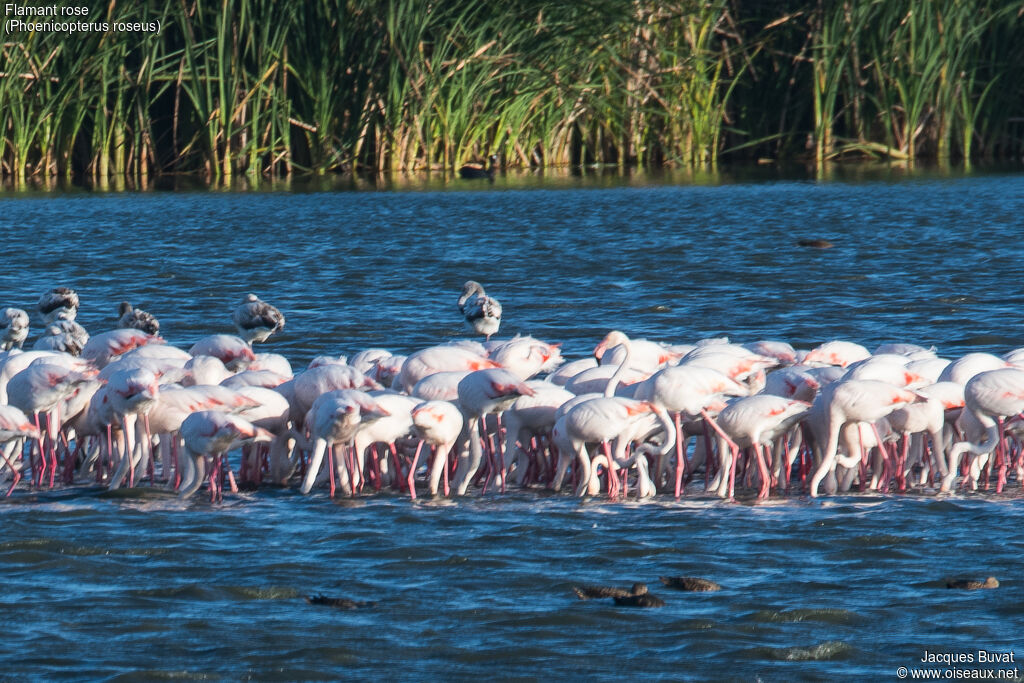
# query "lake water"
(139, 586)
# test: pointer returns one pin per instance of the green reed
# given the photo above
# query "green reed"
(268, 87)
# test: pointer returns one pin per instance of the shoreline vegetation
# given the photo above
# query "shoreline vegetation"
(263, 88)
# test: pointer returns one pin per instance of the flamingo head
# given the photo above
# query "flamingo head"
(610, 341)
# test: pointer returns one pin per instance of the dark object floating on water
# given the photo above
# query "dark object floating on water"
(690, 583)
(815, 243)
(340, 603)
(471, 171)
(972, 584)
(588, 592)
(642, 600)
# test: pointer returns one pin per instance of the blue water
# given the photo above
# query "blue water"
(141, 586)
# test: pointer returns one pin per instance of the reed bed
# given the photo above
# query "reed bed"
(259, 87)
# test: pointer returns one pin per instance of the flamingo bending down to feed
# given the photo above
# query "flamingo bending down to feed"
(41, 388)
(439, 424)
(480, 393)
(14, 429)
(606, 420)
(482, 312)
(991, 396)
(755, 422)
(210, 433)
(333, 419)
(851, 401)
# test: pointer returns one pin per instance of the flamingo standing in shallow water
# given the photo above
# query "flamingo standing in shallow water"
(482, 392)
(212, 433)
(438, 423)
(755, 422)
(256, 320)
(334, 418)
(14, 428)
(40, 388)
(991, 396)
(851, 401)
(482, 312)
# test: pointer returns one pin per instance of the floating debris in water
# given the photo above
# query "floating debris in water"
(340, 603)
(690, 583)
(643, 600)
(817, 243)
(589, 592)
(637, 596)
(973, 584)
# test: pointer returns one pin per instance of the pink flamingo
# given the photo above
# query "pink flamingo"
(102, 348)
(441, 386)
(319, 380)
(212, 433)
(387, 429)
(602, 420)
(14, 428)
(234, 352)
(990, 396)
(643, 356)
(480, 393)
(438, 423)
(526, 357)
(334, 418)
(530, 416)
(841, 353)
(687, 390)
(268, 379)
(128, 394)
(439, 359)
(755, 422)
(964, 368)
(851, 401)
(40, 388)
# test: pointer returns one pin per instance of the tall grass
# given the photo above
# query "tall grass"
(267, 87)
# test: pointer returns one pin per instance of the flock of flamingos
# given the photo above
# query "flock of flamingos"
(636, 419)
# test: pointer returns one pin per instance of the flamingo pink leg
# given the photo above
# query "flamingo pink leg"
(330, 465)
(762, 468)
(50, 419)
(444, 471)
(412, 471)
(680, 456)
(42, 453)
(16, 475)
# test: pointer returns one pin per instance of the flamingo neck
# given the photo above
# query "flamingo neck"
(613, 383)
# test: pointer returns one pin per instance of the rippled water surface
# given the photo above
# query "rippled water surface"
(139, 586)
